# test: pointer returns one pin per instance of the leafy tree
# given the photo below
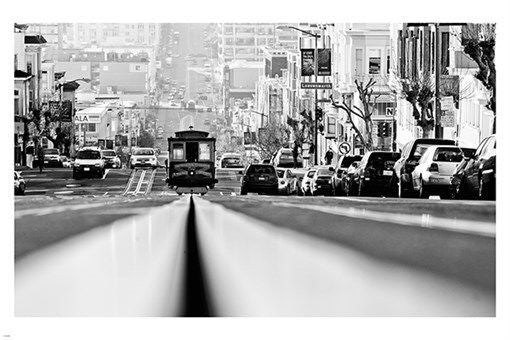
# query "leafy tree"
(146, 139)
(273, 136)
(479, 42)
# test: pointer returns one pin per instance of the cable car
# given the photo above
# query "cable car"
(191, 162)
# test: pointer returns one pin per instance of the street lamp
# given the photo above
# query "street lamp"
(316, 36)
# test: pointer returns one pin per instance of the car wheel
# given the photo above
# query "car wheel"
(287, 192)
(21, 189)
(483, 193)
(402, 192)
(76, 176)
(423, 190)
(361, 189)
(132, 166)
(243, 191)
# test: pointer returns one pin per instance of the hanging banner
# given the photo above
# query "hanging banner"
(307, 62)
(66, 112)
(324, 61)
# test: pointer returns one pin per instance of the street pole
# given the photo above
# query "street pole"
(438, 131)
(316, 71)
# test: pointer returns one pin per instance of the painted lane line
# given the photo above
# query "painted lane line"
(55, 209)
(351, 199)
(256, 269)
(132, 267)
(66, 192)
(423, 220)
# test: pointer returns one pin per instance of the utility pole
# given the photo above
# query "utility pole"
(316, 72)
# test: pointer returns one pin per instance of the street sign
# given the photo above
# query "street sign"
(447, 103)
(344, 148)
(326, 86)
(447, 118)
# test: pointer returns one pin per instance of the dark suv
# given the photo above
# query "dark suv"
(374, 173)
(340, 170)
(259, 178)
(401, 182)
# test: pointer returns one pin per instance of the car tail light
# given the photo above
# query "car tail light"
(433, 167)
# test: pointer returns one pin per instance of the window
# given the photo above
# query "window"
(374, 62)
(204, 152)
(388, 62)
(105, 67)
(15, 61)
(178, 151)
(331, 126)
(91, 127)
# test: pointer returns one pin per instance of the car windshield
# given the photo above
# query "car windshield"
(324, 172)
(143, 152)
(88, 154)
(468, 152)
(347, 161)
(163, 153)
(109, 153)
(420, 150)
(448, 155)
(51, 152)
(280, 173)
(261, 169)
(311, 173)
(382, 160)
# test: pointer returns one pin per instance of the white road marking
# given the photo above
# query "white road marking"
(106, 173)
(423, 220)
(55, 209)
(66, 192)
(348, 198)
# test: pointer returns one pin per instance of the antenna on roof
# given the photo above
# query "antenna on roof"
(191, 127)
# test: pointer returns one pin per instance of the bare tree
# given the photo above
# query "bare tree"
(367, 98)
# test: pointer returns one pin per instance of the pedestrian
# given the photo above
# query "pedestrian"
(311, 152)
(329, 156)
(40, 158)
(30, 154)
(295, 154)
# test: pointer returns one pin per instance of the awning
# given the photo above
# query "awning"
(22, 74)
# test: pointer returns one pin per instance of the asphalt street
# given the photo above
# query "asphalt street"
(445, 240)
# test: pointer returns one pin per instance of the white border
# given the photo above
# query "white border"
(256, 11)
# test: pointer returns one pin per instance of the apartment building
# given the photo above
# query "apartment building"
(113, 34)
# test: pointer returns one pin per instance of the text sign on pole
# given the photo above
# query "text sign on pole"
(307, 62)
(447, 103)
(324, 61)
(326, 86)
(447, 119)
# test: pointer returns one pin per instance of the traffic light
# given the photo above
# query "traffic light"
(319, 114)
(379, 128)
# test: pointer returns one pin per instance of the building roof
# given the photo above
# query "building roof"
(21, 74)
(35, 39)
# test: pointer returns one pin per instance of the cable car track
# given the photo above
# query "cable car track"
(140, 182)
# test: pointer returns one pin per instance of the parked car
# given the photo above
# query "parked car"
(374, 172)
(479, 175)
(342, 165)
(300, 175)
(89, 162)
(230, 160)
(287, 182)
(66, 162)
(307, 179)
(321, 181)
(348, 184)
(284, 159)
(19, 183)
(454, 187)
(52, 158)
(111, 160)
(259, 178)
(142, 157)
(401, 181)
(435, 169)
